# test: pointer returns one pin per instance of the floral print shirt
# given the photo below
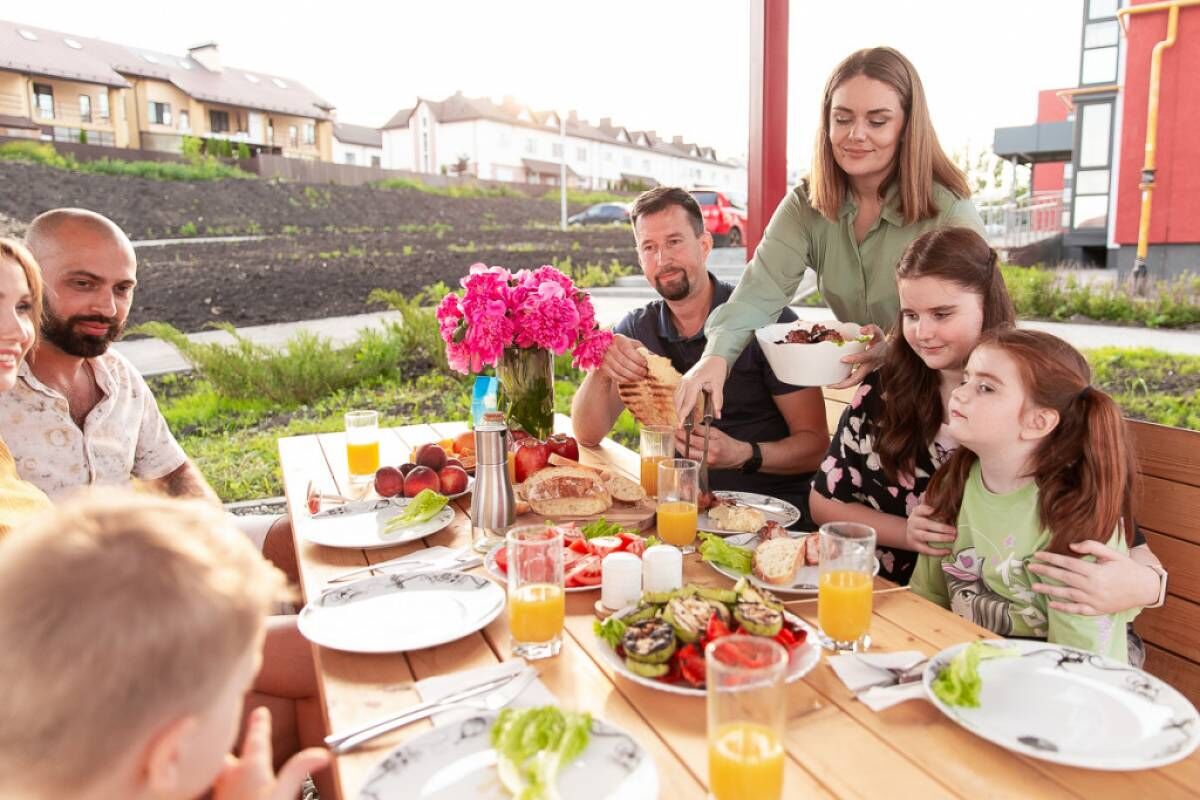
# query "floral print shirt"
(852, 472)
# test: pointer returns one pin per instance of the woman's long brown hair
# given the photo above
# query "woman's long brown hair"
(920, 160)
(13, 250)
(913, 403)
(1084, 468)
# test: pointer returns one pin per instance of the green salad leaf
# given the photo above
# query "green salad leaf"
(600, 527)
(959, 684)
(534, 744)
(422, 508)
(716, 550)
(611, 631)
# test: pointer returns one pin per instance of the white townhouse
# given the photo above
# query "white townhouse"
(509, 142)
(358, 145)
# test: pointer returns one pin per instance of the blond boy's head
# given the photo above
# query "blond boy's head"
(131, 626)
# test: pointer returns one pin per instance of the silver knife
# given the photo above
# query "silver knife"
(453, 561)
(361, 507)
(500, 692)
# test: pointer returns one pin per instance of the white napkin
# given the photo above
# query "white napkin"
(439, 686)
(857, 671)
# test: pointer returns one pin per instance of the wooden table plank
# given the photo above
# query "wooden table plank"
(837, 747)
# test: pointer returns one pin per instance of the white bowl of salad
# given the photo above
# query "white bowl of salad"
(809, 353)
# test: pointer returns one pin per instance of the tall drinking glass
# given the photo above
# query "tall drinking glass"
(536, 603)
(678, 492)
(747, 709)
(844, 585)
(362, 445)
(657, 444)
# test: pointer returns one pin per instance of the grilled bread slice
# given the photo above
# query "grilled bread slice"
(652, 401)
(776, 560)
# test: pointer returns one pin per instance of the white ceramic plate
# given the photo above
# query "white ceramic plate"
(809, 364)
(489, 563)
(365, 531)
(787, 514)
(804, 581)
(395, 613)
(456, 762)
(1075, 708)
(803, 659)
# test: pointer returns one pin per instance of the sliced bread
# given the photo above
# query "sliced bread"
(775, 560)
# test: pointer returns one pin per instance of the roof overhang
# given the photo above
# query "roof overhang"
(1044, 142)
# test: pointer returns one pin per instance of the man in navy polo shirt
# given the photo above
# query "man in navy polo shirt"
(771, 436)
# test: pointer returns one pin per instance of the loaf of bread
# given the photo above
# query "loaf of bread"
(776, 560)
(567, 492)
(621, 488)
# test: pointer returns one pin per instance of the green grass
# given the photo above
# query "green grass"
(455, 190)
(1149, 384)
(1051, 294)
(199, 169)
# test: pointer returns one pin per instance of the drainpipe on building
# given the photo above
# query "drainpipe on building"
(1150, 164)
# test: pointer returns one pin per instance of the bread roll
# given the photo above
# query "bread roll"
(775, 560)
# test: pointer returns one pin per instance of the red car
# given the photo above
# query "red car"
(723, 218)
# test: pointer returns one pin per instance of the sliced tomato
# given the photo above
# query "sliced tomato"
(603, 545)
(579, 546)
(502, 560)
(584, 571)
(716, 629)
(691, 664)
(632, 543)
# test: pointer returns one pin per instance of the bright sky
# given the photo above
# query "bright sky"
(679, 67)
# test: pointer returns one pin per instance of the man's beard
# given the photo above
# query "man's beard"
(62, 334)
(682, 287)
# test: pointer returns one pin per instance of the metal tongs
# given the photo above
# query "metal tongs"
(706, 421)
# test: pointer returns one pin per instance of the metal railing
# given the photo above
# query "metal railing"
(62, 112)
(1010, 224)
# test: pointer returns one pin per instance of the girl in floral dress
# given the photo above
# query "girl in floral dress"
(1043, 463)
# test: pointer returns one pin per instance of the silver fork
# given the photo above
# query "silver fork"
(459, 557)
(898, 676)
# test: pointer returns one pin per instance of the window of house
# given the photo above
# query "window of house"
(530, 146)
(350, 158)
(581, 153)
(293, 136)
(218, 121)
(270, 131)
(1091, 174)
(1099, 9)
(310, 133)
(85, 108)
(376, 162)
(556, 150)
(1094, 135)
(185, 121)
(608, 155)
(159, 113)
(43, 95)
(1098, 64)
(102, 104)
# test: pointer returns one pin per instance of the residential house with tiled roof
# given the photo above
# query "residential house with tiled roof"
(507, 141)
(358, 145)
(61, 87)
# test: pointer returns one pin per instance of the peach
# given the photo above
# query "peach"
(453, 462)
(421, 478)
(432, 456)
(465, 442)
(407, 467)
(453, 480)
(389, 482)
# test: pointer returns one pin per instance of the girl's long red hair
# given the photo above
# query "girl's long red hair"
(1084, 468)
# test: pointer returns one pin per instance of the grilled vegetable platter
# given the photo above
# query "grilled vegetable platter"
(660, 641)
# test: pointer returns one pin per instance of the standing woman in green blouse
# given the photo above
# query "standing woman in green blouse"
(879, 179)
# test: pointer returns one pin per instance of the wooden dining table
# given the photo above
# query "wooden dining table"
(836, 746)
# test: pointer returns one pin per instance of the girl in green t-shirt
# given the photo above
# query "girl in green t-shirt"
(1042, 464)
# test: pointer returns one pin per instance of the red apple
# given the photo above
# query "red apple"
(453, 480)
(515, 437)
(407, 467)
(389, 481)
(421, 478)
(564, 445)
(531, 455)
(432, 456)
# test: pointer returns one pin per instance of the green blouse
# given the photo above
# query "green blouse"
(857, 280)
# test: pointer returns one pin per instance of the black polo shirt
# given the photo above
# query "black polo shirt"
(749, 413)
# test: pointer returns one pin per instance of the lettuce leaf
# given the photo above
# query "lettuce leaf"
(959, 683)
(422, 508)
(716, 550)
(611, 631)
(600, 527)
(534, 744)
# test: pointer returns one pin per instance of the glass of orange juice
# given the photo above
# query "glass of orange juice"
(844, 585)
(678, 492)
(536, 602)
(362, 445)
(657, 443)
(747, 709)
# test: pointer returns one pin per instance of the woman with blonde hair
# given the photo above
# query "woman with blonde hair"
(879, 179)
(20, 315)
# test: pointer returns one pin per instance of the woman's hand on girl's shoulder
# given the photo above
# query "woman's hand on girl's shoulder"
(866, 362)
(924, 534)
(1112, 583)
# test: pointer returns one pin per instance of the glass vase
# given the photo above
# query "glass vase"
(526, 393)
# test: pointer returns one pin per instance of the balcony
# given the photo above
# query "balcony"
(1035, 144)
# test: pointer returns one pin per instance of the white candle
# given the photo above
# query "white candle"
(620, 580)
(662, 568)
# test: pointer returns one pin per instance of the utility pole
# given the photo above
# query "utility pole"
(562, 170)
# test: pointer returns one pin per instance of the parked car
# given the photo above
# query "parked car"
(724, 217)
(601, 214)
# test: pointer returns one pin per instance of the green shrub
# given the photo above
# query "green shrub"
(242, 150)
(593, 274)
(187, 229)
(1049, 294)
(582, 197)
(46, 155)
(466, 190)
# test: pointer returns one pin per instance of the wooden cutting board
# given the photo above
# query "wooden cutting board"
(637, 516)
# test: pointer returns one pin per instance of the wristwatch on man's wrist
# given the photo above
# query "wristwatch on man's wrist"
(1162, 585)
(752, 463)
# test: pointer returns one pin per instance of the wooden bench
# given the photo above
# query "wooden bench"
(1168, 511)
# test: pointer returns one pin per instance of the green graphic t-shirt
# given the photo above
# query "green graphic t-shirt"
(984, 579)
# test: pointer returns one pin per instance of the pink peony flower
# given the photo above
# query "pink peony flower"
(589, 353)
